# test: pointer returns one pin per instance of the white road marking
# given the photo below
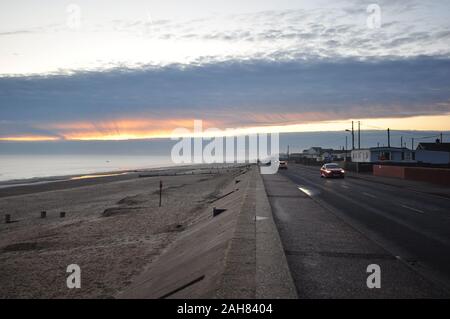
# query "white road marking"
(344, 186)
(306, 191)
(413, 209)
(369, 195)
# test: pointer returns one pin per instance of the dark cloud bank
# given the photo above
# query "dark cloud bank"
(229, 91)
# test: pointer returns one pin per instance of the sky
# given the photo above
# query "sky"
(117, 70)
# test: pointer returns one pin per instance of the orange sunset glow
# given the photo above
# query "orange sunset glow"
(29, 138)
(130, 129)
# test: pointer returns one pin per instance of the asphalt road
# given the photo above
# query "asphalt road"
(331, 229)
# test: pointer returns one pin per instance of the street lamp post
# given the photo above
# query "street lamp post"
(346, 145)
(353, 137)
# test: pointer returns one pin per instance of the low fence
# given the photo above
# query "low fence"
(439, 176)
(389, 171)
(357, 167)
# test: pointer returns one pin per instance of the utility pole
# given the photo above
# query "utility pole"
(442, 139)
(359, 135)
(346, 143)
(412, 144)
(353, 137)
(288, 152)
(389, 137)
(346, 148)
(401, 141)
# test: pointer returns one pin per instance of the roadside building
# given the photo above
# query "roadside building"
(325, 157)
(383, 155)
(340, 155)
(426, 153)
(318, 154)
(313, 152)
(435, 147)
(433, 153)
(332, 156)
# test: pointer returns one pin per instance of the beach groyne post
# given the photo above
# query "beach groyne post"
(217, 211)
(160, 192)
(62, 214)
(43, 214)
(7, 218)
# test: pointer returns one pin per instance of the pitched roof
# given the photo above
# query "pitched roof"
(441, 147)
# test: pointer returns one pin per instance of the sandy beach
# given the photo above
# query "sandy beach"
(113, 229)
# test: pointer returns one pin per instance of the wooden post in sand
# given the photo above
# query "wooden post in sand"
(43, 214)
(7, 218)
(160, 192)
(62, 214)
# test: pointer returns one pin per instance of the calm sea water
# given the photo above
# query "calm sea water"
(13, 167)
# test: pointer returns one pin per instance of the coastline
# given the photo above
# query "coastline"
(43, 184)
(30, 168)
(81, 175)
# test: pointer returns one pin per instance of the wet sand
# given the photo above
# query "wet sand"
(113, 229)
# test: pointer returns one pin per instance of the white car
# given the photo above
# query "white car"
(282, 165)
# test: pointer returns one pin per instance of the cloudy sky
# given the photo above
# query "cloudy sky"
(134, 69)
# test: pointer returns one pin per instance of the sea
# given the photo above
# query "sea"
(31, 166)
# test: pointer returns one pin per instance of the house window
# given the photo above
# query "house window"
(408, 156)
(384, 156)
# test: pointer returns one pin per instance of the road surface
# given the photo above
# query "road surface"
(332, 229)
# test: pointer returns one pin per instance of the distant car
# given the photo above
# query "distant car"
(332, 170)
(282, 165)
